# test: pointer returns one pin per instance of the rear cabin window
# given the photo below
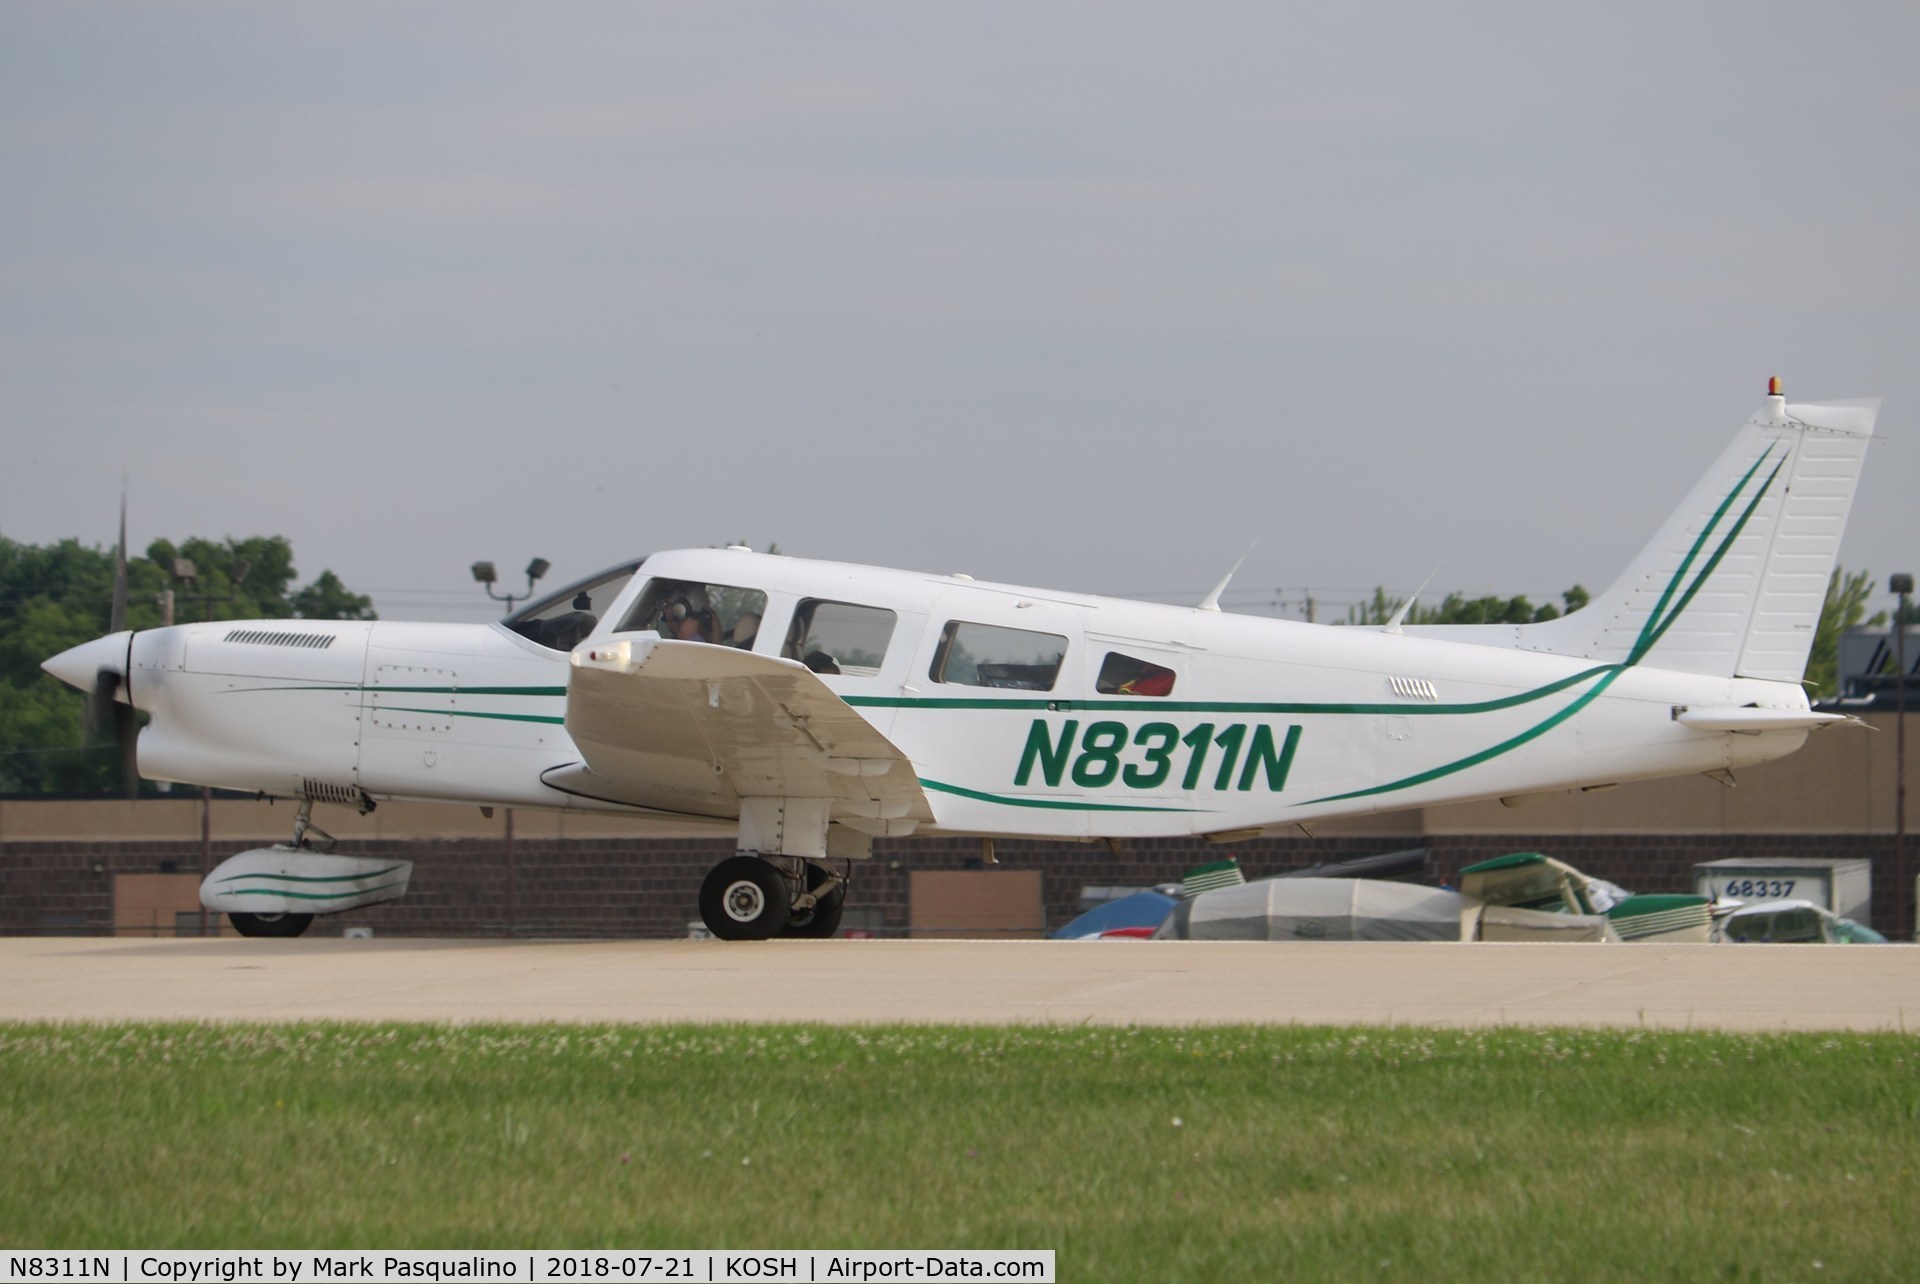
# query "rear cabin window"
(986, 655)
(839, 637)
(722, 614)
(1124, 675)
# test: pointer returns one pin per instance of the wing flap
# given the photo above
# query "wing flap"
(688, 726)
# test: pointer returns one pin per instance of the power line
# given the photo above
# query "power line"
(19, 753)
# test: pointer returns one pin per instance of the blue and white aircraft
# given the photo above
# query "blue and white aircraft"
(812, 707)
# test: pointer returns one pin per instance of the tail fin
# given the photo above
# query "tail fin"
(1733, 584)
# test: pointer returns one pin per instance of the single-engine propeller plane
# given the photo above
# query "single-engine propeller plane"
(814, 706)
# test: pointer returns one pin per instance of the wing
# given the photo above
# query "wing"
(694, 728)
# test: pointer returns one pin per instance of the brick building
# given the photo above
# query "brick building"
(96, 867)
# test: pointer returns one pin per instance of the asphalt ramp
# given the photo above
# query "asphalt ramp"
(1161, 983)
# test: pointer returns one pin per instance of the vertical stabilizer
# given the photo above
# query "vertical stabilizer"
(1733, 584)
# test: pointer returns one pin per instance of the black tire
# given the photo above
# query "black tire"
(823, 920)
(745, 899)
(270, 924)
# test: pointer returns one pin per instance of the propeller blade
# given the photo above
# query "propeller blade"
(126, 734)
(101, 718)
(112, 719)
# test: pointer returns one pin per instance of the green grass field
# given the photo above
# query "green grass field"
(1274, 1153)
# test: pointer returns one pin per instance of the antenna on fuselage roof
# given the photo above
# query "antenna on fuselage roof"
(1211, 602)
(1400, 612)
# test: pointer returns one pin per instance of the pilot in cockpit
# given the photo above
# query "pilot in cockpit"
(687, 615)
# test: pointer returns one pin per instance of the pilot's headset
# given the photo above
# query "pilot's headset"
(680, 606)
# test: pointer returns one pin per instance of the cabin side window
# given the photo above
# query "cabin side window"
(839, 637)
(688, 611)
(987, 655)
(1124, 675)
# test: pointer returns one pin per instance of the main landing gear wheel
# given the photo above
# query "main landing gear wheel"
(270, 924)
(745, 899)
(830, 901)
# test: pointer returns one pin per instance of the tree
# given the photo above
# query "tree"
(328, 599)
(59, 595)
(1845, 608)
(1457, 608)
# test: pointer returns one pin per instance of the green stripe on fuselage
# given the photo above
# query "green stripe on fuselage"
(1049, 804)
(474, 713)
(1154, 705)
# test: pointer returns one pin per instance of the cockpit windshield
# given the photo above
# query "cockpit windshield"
(563, 619)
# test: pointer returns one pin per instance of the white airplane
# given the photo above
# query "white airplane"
(814, 706)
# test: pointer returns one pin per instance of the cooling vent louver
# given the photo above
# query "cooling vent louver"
(328, 792)
(273, 637)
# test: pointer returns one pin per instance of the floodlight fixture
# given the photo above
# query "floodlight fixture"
(484, 574)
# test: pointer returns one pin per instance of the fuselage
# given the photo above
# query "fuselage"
(1022, 711)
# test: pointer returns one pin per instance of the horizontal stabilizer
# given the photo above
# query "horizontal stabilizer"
(1753, 720)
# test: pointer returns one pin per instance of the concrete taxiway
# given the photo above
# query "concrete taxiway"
(1732, 987)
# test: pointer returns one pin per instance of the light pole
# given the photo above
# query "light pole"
(1903, 585)
(484, 574)
(185, 574)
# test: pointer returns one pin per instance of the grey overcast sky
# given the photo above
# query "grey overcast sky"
(1085, 296)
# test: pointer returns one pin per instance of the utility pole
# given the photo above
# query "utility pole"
(1903, 585)
(513, 881)
(184, 573)
(206, 847)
